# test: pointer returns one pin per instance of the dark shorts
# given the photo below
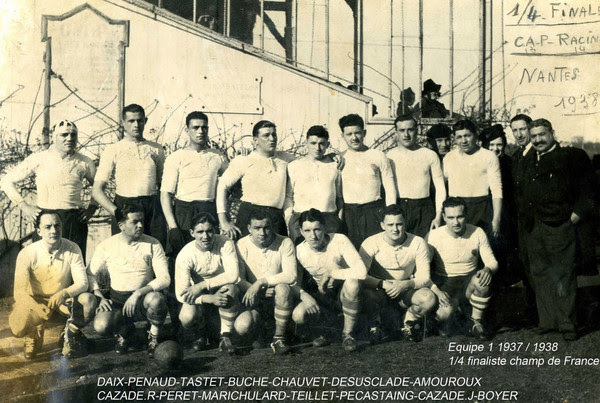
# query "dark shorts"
(480, 212)
(454, 286)
(245, 210)
(418, 215)
(118, 299)
(362, 220)
(72, 228)
(154, 220)
(186, 211)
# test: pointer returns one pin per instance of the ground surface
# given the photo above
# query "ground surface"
(51, 378)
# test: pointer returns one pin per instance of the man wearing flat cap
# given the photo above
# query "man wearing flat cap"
(430, 107)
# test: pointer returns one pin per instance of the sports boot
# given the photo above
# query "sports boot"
(225, 344)
(33, 342)
(412, 331)
(279, 346)
(122, 345)
(349, 343)
(152, 344)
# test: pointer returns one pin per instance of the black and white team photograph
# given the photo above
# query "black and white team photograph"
(299, 200)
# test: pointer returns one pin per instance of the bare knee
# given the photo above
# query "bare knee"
(283, 294)
(245, 322)
(155, 301)
(351, 289)
(231, 290)
(477, 289)
(444, 312)
(299, 314)
(423, 301)
(190, 315)
(20, 322)
(104, 323)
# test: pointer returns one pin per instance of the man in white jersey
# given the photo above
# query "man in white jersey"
(365, 170)
(138, 270)
(263, 174)
(206, 271)
(188, 188)
(314, 182)
(333, 270)
(457, 276)
(59, 177)
(398, 264)
(189, 182)
(50, 276)
(415, 168)
(267, 270)
(473, 173)
(136, 165)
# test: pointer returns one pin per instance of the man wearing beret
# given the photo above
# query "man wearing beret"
(439, 137)
(557, 196)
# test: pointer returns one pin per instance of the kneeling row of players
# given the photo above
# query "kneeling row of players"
(259, 278)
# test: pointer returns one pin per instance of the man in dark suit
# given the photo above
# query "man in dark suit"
(519, 126)
(556, 193)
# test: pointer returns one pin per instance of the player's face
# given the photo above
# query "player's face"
(50, 229)
(204, 234)
(393, 225)
(542, 138)
(520, 131)
(266, 140)
(354, 137)
(316, 147)
(198, 132)
(443, 145)
(133, 226)
(134, 123)
(456, 219)
(466, 140)
(497, 146)
(65, 139)
(261, 232)
(314, 234)
(407, 133)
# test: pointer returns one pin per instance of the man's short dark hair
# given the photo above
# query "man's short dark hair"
(195, 115)
(454, 202)
(405, 118)
(351, 120)
(122, 214)
(259, 214)
(319, 131)
(261, 125)
(133, 108)
(541, 123)
(393, 210)
(465, 124)
(522, 117)
(38, 219)
(311, 215)
(202, 218)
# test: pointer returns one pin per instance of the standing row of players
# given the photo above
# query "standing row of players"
(196, 180)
